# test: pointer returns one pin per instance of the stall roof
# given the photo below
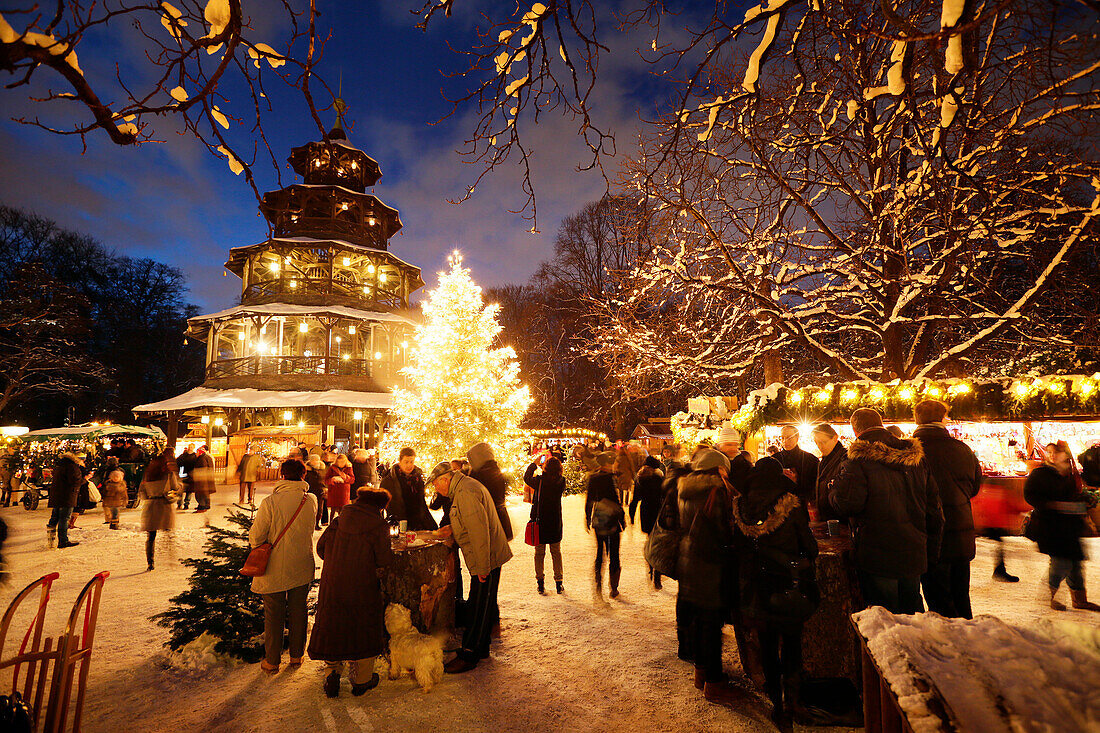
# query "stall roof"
(92, 432)
(263, 398)
(645, 431)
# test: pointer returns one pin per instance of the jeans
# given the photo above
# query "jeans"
(896, 595)
(540, 561)
(480, 617)
(685, 623)
(1062, 568)
(249, 488)
(110, 513)
(610, 545)
(285, 610)
(60, 518)
(185, 499)
(947, 588)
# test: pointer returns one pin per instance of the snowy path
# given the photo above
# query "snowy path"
(563, 663)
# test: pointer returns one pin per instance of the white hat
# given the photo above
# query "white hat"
(728, 435)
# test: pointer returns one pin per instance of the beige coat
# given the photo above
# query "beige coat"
(476, 526)
(114, 490)
(158, 507)
(249, 469)
(291, 564)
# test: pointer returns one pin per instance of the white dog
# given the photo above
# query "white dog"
(412, 651)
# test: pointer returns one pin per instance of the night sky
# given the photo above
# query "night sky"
(176, 203)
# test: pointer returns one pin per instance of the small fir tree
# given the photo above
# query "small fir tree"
(219, 600)
(462, 390)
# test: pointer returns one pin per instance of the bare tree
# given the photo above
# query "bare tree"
(178, 61)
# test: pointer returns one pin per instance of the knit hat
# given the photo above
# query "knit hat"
(728, 435)
(443, 467)
(711, 459)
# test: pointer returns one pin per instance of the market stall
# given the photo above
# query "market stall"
(273, 443)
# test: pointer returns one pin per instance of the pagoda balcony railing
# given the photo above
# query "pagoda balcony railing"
(255, 366)
(329, 227)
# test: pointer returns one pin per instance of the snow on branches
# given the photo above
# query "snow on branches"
(176, 60)
(867, 207)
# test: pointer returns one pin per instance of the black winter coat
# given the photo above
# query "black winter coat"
(891, 498)
(958, 477)
(772, 529)
(828, 468)
(68, 477)
(649, 492)
(407, 499)
(546, 504)
(705, 565)
(490, 476)
(599, 485)
(1058, 521)
(805, 465)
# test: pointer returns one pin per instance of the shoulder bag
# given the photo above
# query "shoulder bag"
(662, 546)
(256, 564)
(531, 534)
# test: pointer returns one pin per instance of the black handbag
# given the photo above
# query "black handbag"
(795, 603)
(15, 715)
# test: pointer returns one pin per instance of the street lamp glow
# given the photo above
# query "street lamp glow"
(205, 420)
(218, 422)
(287, 415)
(358, 415)
(303, 328)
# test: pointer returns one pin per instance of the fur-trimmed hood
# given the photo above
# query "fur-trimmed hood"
(786, 504)
(697, 483)
(648, 471)
(879, 446)
(377, 498)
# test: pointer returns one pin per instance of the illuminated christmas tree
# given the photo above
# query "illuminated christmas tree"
(462, 388)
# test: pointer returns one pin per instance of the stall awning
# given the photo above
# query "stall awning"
(206, 397)
(643, 431)
(92, 432)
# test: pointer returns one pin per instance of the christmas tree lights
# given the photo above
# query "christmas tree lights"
(462, 390)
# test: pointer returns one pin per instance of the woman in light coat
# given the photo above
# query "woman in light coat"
(159, 486)
(290, 569)
(114, 492)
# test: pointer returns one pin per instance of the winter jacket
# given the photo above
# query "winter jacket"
(704, 566)
(740, 467)
(1058, 521)
(998, 507)
(316, 483)
(828, 468)
(484, 469)
(365, 473)
(958, 476)
(158, 503)
(772, 529)
(350, 604)
(339, 481)
(891, 498)
(114, 490)
(202, 475)
(601, 485)
(1090, 465)
(649, 493)
(546, 504)
(476, 526)
(805, 466)
(68, 476)
(249, 468)
(186, 461)
(407, 498)
(291, 563)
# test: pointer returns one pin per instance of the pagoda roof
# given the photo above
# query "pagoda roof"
(291, 309)
(237, 255)
(274, 203)
(208, 397)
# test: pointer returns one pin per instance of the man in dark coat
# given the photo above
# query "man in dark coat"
(203, 478)
(833, 456)
(349, 627)
(958, 477)
(890, 496)
(68, 476)
(186, 461)
(800, 466)
(405, 484)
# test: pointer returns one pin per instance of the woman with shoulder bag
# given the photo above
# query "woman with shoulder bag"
(159, 486)
(778, 589)
(548, 485)
(285, 521)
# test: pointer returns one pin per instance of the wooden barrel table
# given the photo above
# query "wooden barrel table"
(830, 646)
(422, 579)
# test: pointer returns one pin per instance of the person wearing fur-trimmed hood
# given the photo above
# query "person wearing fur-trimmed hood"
(888, 493)
(777, 583)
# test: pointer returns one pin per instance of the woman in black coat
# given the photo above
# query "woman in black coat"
(778, 588)
(649, 493)
(1058, 523)
(549, 485)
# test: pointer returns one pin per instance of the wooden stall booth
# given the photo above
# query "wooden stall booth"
(273, 443)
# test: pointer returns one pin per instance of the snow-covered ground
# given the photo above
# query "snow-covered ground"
(564, 663)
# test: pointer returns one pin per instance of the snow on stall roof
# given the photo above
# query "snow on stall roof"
(290, 309)
(261, 398)
(989, 675)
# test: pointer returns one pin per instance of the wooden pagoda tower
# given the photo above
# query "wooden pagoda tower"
(323, 327)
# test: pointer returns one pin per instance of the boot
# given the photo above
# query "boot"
(370, 684)
(1001, 575)
(331, 685)
(561, 587)
(1081, 602)
(723, 693)
(51, 537)
(657, 581)
(542, 587)
(700, 678)
(1056, 605)
(615, 583)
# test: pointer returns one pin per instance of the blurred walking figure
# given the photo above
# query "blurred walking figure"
(158, 489)
(998, 514)
(115, 495)
(604, 515)
(248, 471)
(1058, 523)
(203, 476)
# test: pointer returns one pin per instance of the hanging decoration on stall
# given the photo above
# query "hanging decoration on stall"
(1031, 398)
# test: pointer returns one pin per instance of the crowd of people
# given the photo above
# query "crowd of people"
(736, 533)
